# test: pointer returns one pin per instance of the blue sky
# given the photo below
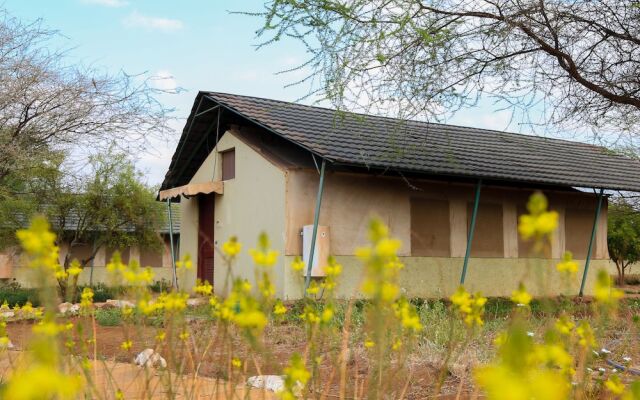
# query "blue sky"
(197, 43)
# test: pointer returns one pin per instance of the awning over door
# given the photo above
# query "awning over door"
(192, 189)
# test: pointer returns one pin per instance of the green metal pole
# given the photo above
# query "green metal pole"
(316, 219)
(472, 228)
(594, 229)
(173, 255)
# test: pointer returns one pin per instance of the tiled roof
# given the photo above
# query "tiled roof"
(428, 148)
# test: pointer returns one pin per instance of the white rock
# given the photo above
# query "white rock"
(197, 301)
(120, 303)
(7, 314)
(8, 346)
(149, 358)
(68, 308)
(274, 383)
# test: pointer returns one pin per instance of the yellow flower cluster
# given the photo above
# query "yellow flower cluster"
(75, 268)
(332, 271)
(86, 298)
(263, 255)
(470, 307)
(382, 265)
(521, 297)
(240, 308)
(131, 274)
(526, 370)
(295, 375)
(407, 315)
(38, 243)
(231, 248)
(604, 292)
(185, 263)
(203, 288)
(297, 264)
(172, 302)
(567, 265)
(539, 223)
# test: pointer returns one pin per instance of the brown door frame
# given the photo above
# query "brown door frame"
(206, 222)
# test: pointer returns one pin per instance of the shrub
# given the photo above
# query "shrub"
(109, 316)
(160, 286)
(14, 294)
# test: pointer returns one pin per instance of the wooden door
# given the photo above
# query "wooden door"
(206, 221)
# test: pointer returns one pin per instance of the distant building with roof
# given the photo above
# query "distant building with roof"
(11, 260)
(452, 194)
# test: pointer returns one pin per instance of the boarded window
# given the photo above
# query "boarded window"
(525, 247)
(124, 255)
(578, 225)
(151, 258)
(228, 164)
(488, 239)
(430, 230)
(81, 251)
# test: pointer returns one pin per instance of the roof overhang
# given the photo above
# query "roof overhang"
(192, 189)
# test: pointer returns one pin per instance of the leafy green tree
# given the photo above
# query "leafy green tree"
(624, 236)
(577, 61)
(106, 206)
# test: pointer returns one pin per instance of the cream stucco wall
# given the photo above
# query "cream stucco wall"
(436, 277)
(350, 201)
(254, 201)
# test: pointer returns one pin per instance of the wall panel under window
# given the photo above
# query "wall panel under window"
(430, 228)
(488, 238)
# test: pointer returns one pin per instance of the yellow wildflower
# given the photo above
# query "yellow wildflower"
(564, 325)
(604, 292)
(263, 255)
(185, 263)
(86, 298)
(295, 374)
(161, 336)
(387, 247)
(539, 222)
(408, 315)
(313, 288)
(75, 268)
(567, 265)
(279, 308)
(369, 343)
(231, 248)
(236, 362)
(520, 296)
(184, 336)
(327, 314)
(126, 345)
(297, 264)
(204, 288)
(397, 344)
(38, 243)
(614, 385)
(471, 308)
(586, 338)
(41, 381)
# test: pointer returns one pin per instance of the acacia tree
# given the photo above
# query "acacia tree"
(577, 60)
(623, 236)
(49, 104)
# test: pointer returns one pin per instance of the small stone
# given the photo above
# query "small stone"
(196, 301)
(274, 383)
(7, 314)
(120, 303)
(150, 358)
(68, 308)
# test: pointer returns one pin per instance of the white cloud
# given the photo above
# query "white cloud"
(164, 80)
(106, 3)
(137, 20)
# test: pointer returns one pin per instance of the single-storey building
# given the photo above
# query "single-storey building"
(11, 268)
(244, 165)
